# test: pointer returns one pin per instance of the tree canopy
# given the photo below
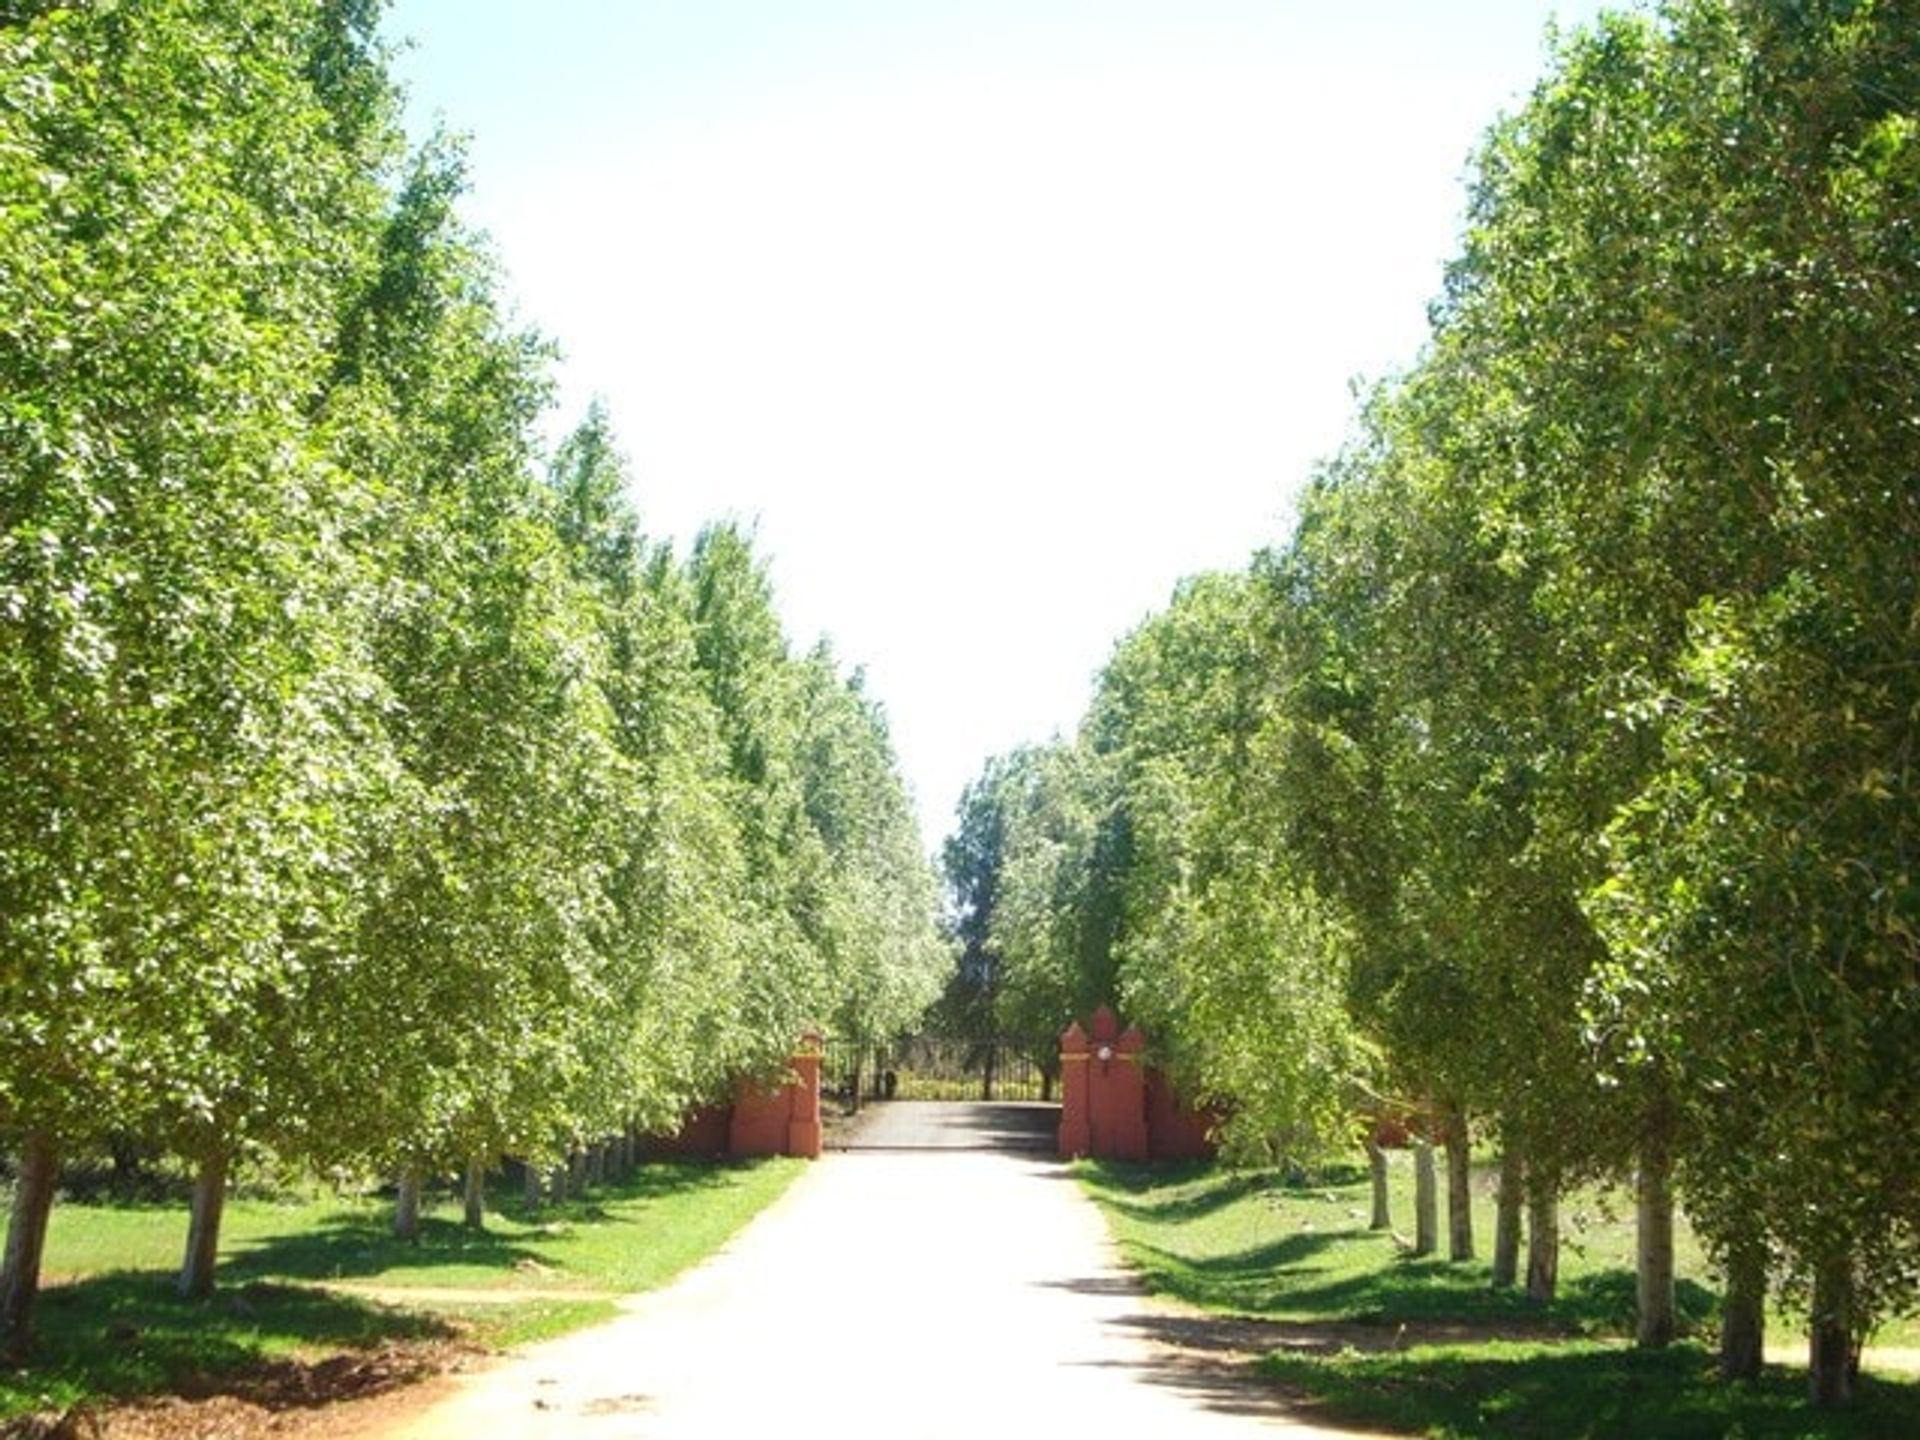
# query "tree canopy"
(1555, 772)
(376, 793)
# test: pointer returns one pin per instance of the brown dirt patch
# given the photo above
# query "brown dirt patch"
(360, 1393)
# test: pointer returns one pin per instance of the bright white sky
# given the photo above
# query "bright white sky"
(995, 317)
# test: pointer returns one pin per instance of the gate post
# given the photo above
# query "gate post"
(1076, 1115)
(803, 1123)
(785, 1121)
(1117, 1090)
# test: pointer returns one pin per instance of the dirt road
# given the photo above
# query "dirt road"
(901, 1293)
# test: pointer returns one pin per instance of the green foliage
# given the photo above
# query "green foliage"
(1557, 769)
(374, 793)
(1057, 909)
(1227, 955)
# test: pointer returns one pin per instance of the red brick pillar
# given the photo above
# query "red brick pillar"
(785, 1121)
(803, 1124)
(1117, 1090)
(1076, 1135)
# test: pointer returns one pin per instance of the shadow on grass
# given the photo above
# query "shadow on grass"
(1409, 1291)
(1348, 1276)
(128, 1334)
(352, 1245)
(359, 1243)
(1116, 1182)
(1578, 1389)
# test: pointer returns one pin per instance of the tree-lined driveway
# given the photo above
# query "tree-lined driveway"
(902, 1293)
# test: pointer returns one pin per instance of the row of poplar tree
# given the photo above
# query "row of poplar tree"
(372, 793)
(1555, 782)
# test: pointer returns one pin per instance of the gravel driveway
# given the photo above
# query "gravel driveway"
(912, 1294)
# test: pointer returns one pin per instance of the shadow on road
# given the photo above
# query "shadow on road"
(1009, 1126)
(1210, 1359)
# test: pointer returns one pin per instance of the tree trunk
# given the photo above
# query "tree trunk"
(26, 1242)
(476, 1194)
(1046, 1087)
(597, 1163)
(406, 1205)
(1377, 1169)
(126, 1166)
(203, 1227)
(1655, 1325)
(1459, 1187)
(1506, 1225)
(1830, 1358)
(1743, 1313)
(1426, 1199)
(535, 1191)
(986, 1079)
(577, 1172)
(559, 1184)
(1543, 1243)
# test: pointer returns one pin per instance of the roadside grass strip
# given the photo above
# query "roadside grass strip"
(1360, 1332)
(302, 1280)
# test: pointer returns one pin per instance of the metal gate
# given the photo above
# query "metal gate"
(934, 1067)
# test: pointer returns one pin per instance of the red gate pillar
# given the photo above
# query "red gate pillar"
(1117, 1090)
(785, 1121)
(803, 1128)
(1076, 1131)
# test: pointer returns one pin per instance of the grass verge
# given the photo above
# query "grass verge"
(1364, 1334)
(306, 1280)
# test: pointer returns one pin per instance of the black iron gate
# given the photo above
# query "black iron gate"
(934, 1067)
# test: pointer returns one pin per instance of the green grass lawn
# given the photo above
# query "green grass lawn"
(109, 1325)
(1371, 1336)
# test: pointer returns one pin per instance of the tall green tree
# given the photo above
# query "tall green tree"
(190, 717)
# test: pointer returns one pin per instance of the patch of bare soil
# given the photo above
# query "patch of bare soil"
(361, 1393)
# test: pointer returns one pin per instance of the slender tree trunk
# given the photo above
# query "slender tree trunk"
(203, 1227)
(1743, 1313)
(577, 1172)
(1459, 1187)
(1046, 1086)
(1426, 1199)
(559, 1183)
(126, 1165)
(535, 1192)
(1377, 1170)
(406, 1205)
(39, 1168)
(1506, 1226)
(597, 1163)
(1830, 1355)
(475, 1194)
(1655, 1324)
(1543, 1243)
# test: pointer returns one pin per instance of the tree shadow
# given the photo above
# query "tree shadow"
(358, 1244)
(352, 1245)
(1283, 1278)
(128, 1333)
(1117, 1182)
(1576, 1389)
(1116, 1185)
